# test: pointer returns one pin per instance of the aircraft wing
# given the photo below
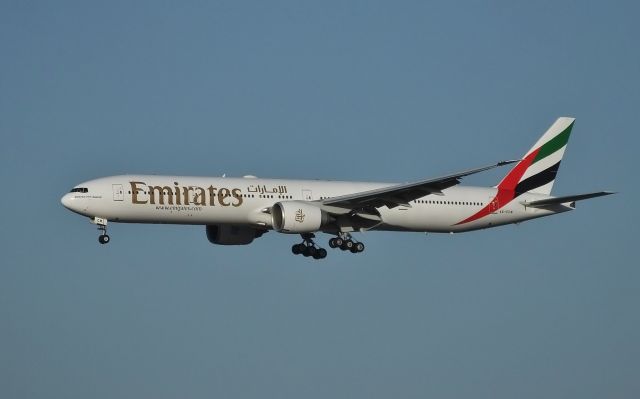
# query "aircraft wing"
(403, 194)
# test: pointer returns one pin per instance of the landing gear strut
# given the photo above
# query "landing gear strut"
(103, 238)
(308, 248)
(345, 242)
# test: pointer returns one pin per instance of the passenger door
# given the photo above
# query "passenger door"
(118, 193)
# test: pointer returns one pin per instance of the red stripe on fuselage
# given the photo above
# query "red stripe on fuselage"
(506, 189)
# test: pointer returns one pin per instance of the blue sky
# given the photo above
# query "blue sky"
(362, 90)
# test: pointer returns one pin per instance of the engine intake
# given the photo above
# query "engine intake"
(298, 217)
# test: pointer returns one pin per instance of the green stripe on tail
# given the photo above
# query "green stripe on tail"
(554, 144)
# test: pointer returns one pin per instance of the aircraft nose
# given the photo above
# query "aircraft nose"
(66, 200)
(74, 204)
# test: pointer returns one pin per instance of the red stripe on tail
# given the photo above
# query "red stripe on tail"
(506, 189)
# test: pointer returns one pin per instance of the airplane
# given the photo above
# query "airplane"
(236, 211)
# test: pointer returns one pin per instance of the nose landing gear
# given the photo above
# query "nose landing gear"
(104, 238)
(102, 227)
(308, 248)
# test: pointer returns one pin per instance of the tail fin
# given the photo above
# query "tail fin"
(537, 170)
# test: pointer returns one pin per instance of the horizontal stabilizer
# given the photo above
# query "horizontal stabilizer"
(565, 199)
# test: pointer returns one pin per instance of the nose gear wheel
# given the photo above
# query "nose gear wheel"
(104, 237)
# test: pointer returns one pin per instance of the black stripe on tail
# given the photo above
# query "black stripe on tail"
(538, 180)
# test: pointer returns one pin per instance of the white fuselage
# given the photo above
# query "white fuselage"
(246, 201)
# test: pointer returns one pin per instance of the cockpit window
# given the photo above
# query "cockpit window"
(80, 190)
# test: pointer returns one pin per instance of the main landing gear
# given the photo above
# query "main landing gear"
(345, 242)
(309, 248)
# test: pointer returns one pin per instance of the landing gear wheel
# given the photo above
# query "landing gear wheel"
(297, 249)
(308, 247)
(321, 253)
(309, 251)
(346, 245)
(345, 242)
(104, 239)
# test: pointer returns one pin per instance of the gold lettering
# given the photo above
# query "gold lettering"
(134, 192)
(143, 194)
(212, 195)
(222, 195)
(162, 192)
(200, 197)
(177, 192)
(238, 196)
(185, 191)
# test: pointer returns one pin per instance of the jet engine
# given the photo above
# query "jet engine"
(232, 235)
(298, 217)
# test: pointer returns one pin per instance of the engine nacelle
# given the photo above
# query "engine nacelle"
(298, 217)
(224, 234)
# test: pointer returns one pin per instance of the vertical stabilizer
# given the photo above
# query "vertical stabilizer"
(537, 170)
